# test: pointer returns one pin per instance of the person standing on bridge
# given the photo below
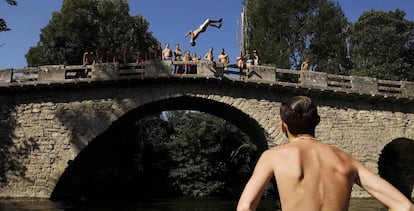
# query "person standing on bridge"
(187, 58)
(167, 52)
(88, 59)
(255, 57)
(209, 56)
(195, 57)
(223, 58)
(311, 175)
(177, 57)
(203, 27)
(305, 65)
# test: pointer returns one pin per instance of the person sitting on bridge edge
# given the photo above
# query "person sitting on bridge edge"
(203, 27)
(311, 175)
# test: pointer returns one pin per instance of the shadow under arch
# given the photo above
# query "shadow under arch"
(396, 165)
(241, 120)
(68, 186)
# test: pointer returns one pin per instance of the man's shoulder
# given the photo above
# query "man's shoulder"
(294, 146)
(281, 149)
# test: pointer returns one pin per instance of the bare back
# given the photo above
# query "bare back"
(312, 176)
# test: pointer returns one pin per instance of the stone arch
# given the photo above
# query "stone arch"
(67, 186)
(240, 119)
(396, 164)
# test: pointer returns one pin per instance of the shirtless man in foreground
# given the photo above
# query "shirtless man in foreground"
(203, 27)
(311, 175)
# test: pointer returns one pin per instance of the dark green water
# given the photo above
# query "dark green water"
(161, 205)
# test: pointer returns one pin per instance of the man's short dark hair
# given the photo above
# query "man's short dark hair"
(300, 114)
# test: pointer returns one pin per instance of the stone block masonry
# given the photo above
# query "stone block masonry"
(43, 129)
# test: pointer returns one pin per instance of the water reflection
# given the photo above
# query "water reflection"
(158, 205)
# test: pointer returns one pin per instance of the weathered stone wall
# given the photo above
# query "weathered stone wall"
(363, 129)
(45, 129)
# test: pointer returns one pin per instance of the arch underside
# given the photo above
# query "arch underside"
(396, 165)
(69, 185)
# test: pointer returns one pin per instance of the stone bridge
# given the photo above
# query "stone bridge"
(49, 114)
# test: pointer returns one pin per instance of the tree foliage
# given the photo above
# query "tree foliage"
(328, 38)
(379, 44)
(90, 25)
(3, 25)
(175, 153)
(286, 32)
(382, 45)
(203, 150)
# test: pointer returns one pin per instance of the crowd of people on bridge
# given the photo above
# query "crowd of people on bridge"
(244, 61)
(124, 54)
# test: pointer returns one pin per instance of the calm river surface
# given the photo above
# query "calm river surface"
(161, 205)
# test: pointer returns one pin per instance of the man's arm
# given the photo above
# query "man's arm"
(382, 190)
(254, 189)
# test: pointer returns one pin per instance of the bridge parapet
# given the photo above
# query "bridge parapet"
(257, 74)
(52, 73)
(408, 89)
(6, 76)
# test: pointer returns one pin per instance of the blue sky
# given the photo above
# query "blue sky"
(169, 21)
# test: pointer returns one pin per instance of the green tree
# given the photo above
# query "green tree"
(187, 153)
(203, 152)
(328, 38)
(3, 25)
(381, 45)
(274, 28)
(90, 25)
(286, 32)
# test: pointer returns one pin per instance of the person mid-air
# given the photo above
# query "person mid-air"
(203, 27)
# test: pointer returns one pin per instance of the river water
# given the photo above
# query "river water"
(158, 205)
